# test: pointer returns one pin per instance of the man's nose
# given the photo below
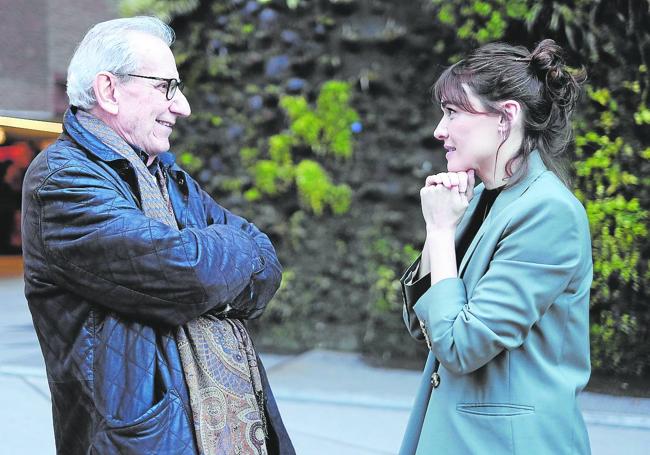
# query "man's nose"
(180, 106)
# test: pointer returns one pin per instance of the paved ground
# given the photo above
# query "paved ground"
(332, 403)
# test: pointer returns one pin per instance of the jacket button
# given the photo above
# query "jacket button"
(426, 335)
(435, 379)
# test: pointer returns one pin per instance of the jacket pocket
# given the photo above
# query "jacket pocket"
(163, 429)
(495, 409)
(146, 420)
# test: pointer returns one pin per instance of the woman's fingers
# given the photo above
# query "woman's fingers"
(454, 179)
(471, 181)
(442, 206)
(446, 181)
(462, 181)
(433, 180)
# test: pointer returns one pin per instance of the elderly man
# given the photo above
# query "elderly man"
(136, 279)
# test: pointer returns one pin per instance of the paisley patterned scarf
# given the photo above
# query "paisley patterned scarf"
(219, 361)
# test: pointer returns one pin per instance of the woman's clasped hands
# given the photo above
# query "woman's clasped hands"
(445, 197)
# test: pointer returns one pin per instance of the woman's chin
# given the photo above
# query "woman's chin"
(451, 167)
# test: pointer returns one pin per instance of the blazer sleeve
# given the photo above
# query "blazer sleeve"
(99, 245)
(534, 261)
(265, 281)
(412, 290)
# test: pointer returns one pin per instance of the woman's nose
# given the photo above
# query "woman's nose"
(440, 132)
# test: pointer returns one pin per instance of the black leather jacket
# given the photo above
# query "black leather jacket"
(106, 285)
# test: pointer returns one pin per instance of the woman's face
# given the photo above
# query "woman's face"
(471, 139)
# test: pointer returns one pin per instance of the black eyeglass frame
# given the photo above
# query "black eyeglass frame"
(172, 84)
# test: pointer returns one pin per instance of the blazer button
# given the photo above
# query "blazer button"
(426, 335)
(435, 379)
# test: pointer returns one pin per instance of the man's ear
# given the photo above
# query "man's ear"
(104, 86)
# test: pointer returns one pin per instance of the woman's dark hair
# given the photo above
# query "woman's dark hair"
(539, 81)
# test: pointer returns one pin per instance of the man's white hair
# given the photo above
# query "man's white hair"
(108, 46)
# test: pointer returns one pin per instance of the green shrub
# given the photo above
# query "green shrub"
(190, 162)
(482, 21)
(163, 10)
(316, 190)
(328, 127)
(612, 192)
(324, 129)
(385, 337)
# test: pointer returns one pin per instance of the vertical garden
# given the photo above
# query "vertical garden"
(313, 118)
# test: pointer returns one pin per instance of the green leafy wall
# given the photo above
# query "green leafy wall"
(314, 120)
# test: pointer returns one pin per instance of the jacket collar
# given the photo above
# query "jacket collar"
(536, 168)
(97, 148)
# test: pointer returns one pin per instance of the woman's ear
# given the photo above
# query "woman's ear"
(511, 110)
(104, 87)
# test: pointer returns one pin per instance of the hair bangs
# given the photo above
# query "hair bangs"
(449, 89)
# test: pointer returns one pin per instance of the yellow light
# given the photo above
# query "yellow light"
(36, 125)
(3, 136)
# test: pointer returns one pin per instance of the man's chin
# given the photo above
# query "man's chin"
(158, 149)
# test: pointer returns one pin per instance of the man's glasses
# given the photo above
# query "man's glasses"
(170, 88)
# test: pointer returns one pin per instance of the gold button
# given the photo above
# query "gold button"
(426, 335)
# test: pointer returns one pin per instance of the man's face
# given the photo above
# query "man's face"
(145, 116)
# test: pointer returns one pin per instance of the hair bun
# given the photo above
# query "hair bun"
(547, 62)
(547, 59)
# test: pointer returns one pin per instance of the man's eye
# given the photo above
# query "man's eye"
(164, 86)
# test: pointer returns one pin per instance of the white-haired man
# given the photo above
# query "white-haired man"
(136, 279)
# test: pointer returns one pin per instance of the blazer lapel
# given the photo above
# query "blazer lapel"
(464, 221)
(462, 226)
(475, 240)
(536, 168)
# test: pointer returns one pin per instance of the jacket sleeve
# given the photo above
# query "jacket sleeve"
(412, 290)
(252, 301)
(99, 245)
(533, 264)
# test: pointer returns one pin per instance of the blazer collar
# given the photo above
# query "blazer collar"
(536, 167)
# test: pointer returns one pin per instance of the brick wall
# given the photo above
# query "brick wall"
(37, 39)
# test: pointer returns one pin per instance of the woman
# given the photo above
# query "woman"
(501, 291)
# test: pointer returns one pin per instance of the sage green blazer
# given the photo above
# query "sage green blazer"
(511, 333)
